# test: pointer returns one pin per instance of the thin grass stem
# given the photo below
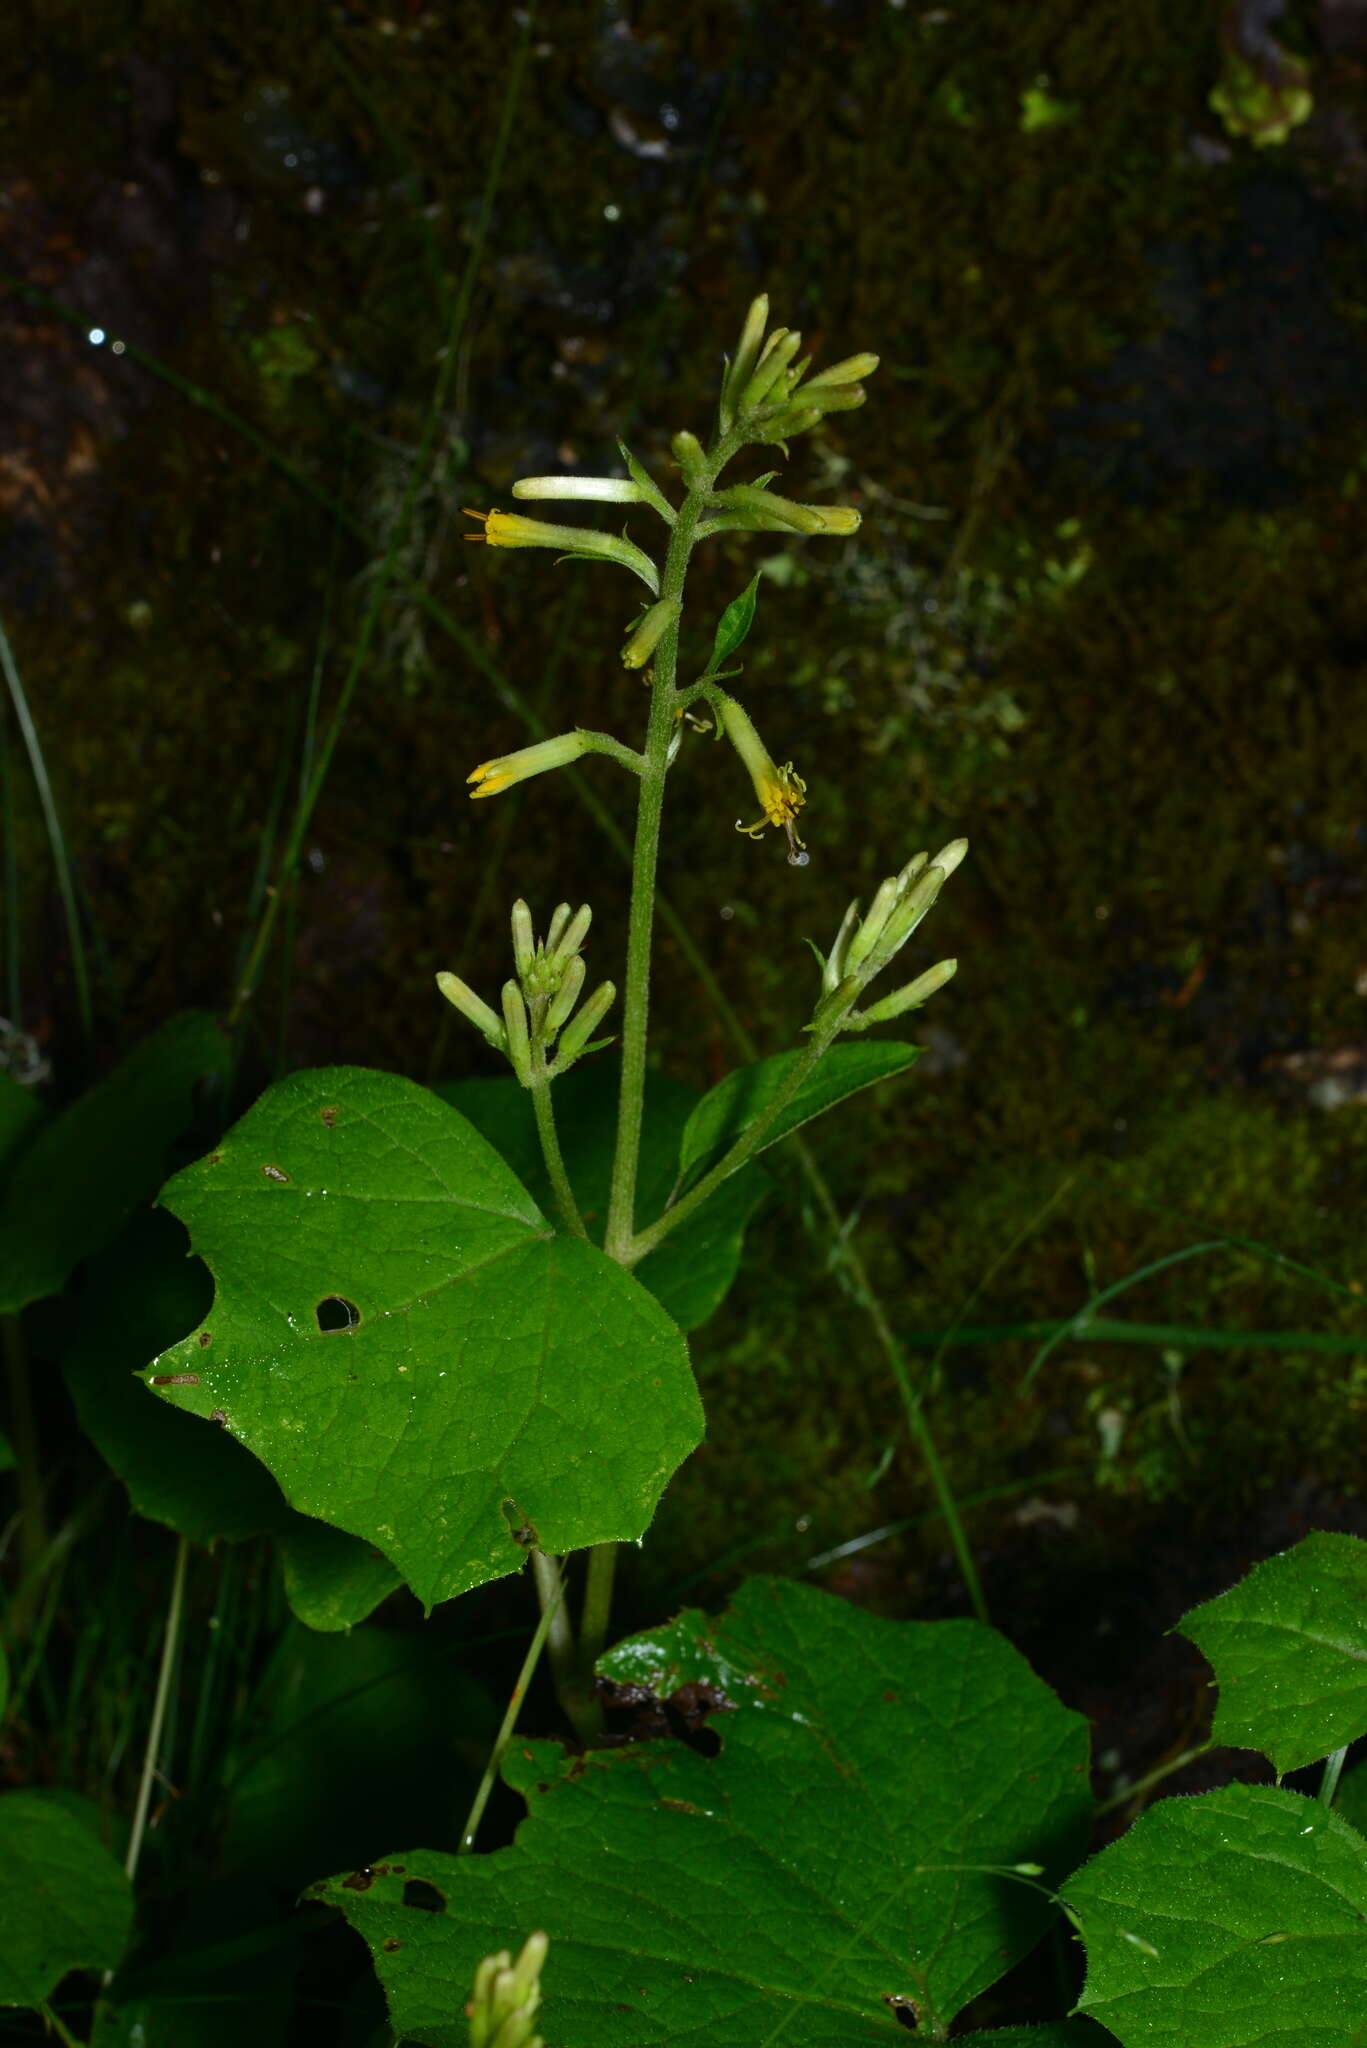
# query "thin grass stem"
(550, 1609)
(61, 860)
(170, 1643)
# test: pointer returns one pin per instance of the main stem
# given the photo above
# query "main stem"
(644, 860)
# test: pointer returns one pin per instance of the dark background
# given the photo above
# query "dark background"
(1105, 616)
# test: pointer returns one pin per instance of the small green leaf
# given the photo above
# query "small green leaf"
(732, 1106)
(693, 1269)
(401, 1338)
(86, 1168)
(1289, 1647)
(784, 1888)
(1237, 1919)
(64, 1902)
(734, 623)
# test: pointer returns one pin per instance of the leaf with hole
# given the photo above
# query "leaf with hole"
(844, 1845)
(1289, 1648)
(1237, 1919)
(496, 1386)
(64, 1902)
(728, 1110)
(140, 1296)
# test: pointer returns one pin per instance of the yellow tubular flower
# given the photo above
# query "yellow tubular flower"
(506, 769)
(781, 791)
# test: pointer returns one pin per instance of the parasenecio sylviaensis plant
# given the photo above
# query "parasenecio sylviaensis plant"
(451, 1323)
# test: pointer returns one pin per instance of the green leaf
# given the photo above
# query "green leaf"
(78, 1178)
(21, 1113)
(782, 1886)
(1237, 1919)
(140, 1296)
(357, 1737)
(64, 1902)
(692, 1271)
(1289, 1647)
(1351, 1802)
(332, 1580)
(400, 1337)
(734, 623)
(728, 1110)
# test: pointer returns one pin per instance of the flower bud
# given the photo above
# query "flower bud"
(913, 995)
(909, 913)
(747, 355)
(571, 935)
(581, 1027)
(835, 970)
(566, 996)
(768, 511)
(474, 1009)
(524, 940)
(511, 530)
(612, 490)
(506, 769)
(519, 1047)
(782, 347)
(852, 370)
(689, 455)
(911, 871)
(869, 932)
(784, 426)
(504, 1999)
(650, 632)
(560, 917)
(950, 856)
(832, 397)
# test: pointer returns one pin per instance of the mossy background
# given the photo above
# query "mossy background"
(1105, 616)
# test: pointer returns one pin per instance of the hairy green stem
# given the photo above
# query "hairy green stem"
(553, 1156)
(550, 1608)
(751, 1140)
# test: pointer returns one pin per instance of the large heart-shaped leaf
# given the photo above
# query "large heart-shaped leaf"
(727, 1111)
(139, 1297)
(64, 1902)
(400, 1337)
(850, 1844)
(1289, 1647)
(692, 1270)
(78, 1177)
(1234, 1920)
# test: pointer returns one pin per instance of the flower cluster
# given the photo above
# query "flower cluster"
(865, 945)
(539, 1004)
(502, 2006)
